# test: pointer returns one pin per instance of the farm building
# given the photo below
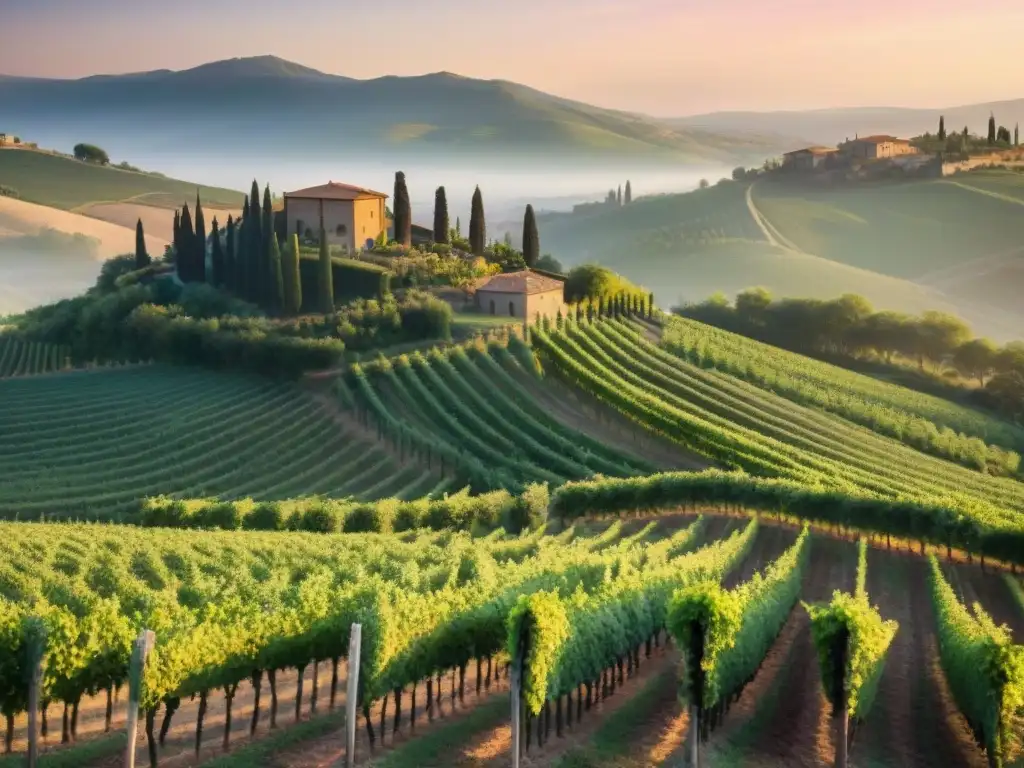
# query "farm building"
(524, 295)
(350, 216)
(807, 159)
(874, 147)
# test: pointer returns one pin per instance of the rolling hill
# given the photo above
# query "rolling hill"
(881, 242)
(265, 103)
(830, 126)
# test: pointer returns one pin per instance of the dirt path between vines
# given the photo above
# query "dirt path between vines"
(914, 721)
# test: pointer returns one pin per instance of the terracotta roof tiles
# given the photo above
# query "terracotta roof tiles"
(523, 281)
(334, 190)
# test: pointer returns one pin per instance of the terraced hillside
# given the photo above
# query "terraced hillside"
(742, 426)
(923, 421)
(463, 409)
(89, 444)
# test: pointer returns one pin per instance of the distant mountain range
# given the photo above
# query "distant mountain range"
(831, 126)
(265, 104)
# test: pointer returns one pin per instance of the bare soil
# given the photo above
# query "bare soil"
(914, 721)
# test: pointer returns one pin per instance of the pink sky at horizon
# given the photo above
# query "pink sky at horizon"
(662, 57)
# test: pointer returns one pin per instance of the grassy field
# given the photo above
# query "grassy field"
(906, 230)
(63, 182)
(689, 246)
(90, 444)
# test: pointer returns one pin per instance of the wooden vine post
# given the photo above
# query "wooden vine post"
(36, 650)
(841, 707)
(516, 685)
(352, 694)
(140, 651)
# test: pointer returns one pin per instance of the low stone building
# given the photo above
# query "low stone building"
(522, 295)
(807, 159)
(351, 216)
(875, 147)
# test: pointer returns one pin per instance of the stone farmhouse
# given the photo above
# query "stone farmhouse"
(523, 295)
(876, 147)
(351, 217)
(860, 148)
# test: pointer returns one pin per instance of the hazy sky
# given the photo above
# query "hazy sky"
(663, 57)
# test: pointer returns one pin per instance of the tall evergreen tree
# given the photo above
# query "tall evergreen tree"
(477, 225)
(176, 236)
(442, 231)
(199, 247)
(254, 200)
(325, 276)
(292, 277)
(275, 276)
(217, 265)
(187, 237)
(618, 196)
(270, 270)
(991, 129)
(629, 193)
(403, 211)
(255, 255)
(1016, 135)
(230, 268)
(141, 257)
(245, 208)
(942, 128)
(458, 227)
(531, 239)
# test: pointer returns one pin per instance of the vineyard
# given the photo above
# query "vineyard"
(25, 358)
(922, 421)
(775, 573)
(252, 636)
(90, 444)
(466, 410)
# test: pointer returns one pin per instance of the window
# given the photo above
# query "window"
(341, 230)
(492, 306)
(371, 214)
(511, 309)
(308, 233)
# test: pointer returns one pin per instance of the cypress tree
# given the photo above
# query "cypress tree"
(991, 129)
(245, 208)
(141, 257)
(477, 225)
(198, 270)
(650, 304)
(531, 239)
(629, 193)
(402, 212)
(1016, 135)
(187, 237)
(217, 270)
(942, 128)
(292, 278)
(275, 277)
(254, 200)
(442, 230)
(255, 281)
(326, 276)
(618, 196)
(270, 270)
(230, 268)
(458, 227)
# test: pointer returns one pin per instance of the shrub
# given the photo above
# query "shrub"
(223, 514)
(268, 516)
(9, 192)
(374, 517)
(321, 517)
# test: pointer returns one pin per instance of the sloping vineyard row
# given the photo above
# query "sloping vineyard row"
(817, 433)
(920, 420)
(71, 447)
(25, 358)
(458, 408)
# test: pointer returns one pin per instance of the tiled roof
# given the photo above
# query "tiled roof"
(523, 281)
(812, 150)
(334, 190)
(880, 139)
